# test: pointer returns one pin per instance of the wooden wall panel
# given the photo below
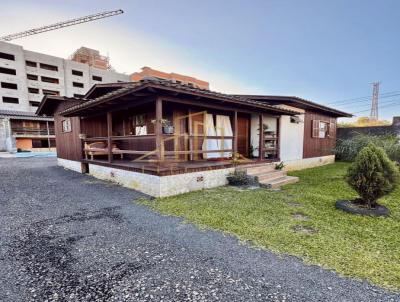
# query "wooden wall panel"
(314, 147)
(243, 135)
(68, 144)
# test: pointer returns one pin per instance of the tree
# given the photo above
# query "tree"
(373, 174)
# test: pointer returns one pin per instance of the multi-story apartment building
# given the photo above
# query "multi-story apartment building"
(26, 76)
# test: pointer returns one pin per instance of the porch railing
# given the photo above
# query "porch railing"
(32, 131)
(145, 146)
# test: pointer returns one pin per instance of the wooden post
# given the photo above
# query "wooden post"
(277, 142)
(48, 134)
(235, 133)
(261, 138)
(158, 130)
(109, 134)
(190, 134)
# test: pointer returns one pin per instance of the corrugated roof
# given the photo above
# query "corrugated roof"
(23, 115)
(170, 85)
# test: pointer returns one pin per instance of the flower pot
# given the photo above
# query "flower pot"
(168, 129)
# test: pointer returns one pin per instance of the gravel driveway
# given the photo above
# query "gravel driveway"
(69, 237)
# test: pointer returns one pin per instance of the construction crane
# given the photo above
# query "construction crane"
(59, 25)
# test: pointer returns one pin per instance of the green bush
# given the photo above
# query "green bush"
(373, 174)
(240, 178)
(347, 149)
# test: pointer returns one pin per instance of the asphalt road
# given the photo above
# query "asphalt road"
(69, 237)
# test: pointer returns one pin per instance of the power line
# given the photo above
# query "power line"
(363, 98)
(367, 100)
(395, 103)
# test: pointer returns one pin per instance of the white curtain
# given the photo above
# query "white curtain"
(210, 144)
(141, 130)
(224, 128)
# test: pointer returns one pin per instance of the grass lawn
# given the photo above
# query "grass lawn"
(362, 247)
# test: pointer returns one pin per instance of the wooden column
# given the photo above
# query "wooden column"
(48, 134)
(235, 133)
(190, 134)
(109, 134)
(261, 138)
(158, 130)
(278, 143)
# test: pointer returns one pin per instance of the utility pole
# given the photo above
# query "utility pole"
(374, 102)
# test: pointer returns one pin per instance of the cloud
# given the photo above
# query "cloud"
(129, 48)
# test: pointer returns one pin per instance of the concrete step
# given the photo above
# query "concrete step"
(278, 182)
(269, 176)
(257, 169)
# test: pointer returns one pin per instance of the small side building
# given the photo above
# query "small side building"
(25, 131)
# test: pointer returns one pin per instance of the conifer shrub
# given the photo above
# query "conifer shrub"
(373, 175)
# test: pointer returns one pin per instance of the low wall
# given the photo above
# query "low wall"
(305, 163)
(162, 186)
(70, 164)
(349, 132)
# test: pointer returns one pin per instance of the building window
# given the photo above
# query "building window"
(50, 92)
(30, 124)
(77, 84)
(48, 67)
(97, 78)
(7, 56)
(77, 95)
(9, 85)
(66, 125)
(34, 104)
(50, 80)
(77, 72)
(10, 100)
(33, 90)
(320, 129)
(31, 63)
(32, 77)
(8, 71)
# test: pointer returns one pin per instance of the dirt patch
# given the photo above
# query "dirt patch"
(294, 204)
(300, 216)
(355, 207)
(304, 229)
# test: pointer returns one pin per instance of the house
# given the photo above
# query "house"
(25, 131)
(164, 138)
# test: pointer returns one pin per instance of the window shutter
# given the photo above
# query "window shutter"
(332, 130)
(315, 128)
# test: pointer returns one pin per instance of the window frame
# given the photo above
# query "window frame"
(12, 100)
(12, 86)
(66, 125)
(77, 72)
(97, 78)
(78, 85)
(7, 56)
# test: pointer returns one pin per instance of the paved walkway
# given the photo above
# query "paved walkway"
(69, 237)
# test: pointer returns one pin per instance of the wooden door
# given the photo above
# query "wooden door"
(243, 135)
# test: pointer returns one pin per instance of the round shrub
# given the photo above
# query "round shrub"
(373, 174)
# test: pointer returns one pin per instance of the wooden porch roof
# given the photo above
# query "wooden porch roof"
(157, 87)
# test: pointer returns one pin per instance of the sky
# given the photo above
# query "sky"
(325, 51)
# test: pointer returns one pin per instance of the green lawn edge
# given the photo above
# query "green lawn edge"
(365, 248)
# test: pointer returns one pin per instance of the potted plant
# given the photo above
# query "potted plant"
(166, 125)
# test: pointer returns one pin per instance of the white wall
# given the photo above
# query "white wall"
(291, 138)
